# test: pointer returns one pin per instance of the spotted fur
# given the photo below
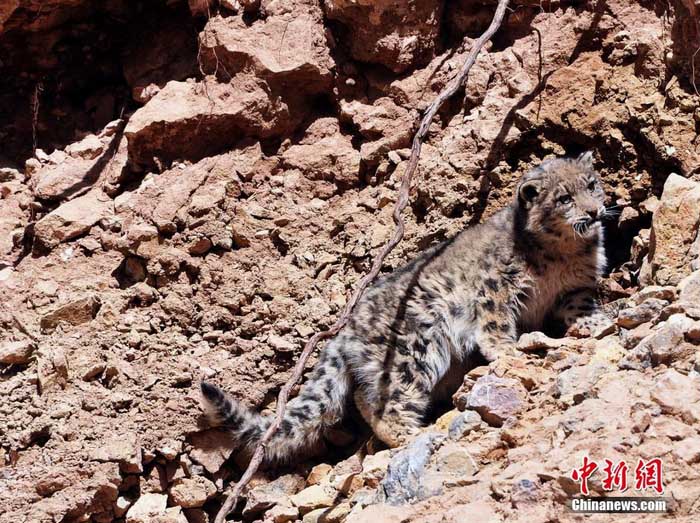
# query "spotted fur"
(410, 339)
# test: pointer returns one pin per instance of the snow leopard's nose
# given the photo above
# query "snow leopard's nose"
(593, 214)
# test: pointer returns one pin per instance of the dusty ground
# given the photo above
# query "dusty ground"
(208, 184)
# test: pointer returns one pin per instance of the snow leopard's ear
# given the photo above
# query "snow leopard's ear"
(528, 191)
(586, 160)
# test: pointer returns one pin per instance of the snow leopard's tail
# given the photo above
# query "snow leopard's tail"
(320, 404)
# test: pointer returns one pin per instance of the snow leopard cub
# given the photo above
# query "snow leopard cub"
(410, 338)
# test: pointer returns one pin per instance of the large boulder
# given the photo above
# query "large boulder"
(188, 120)
(398, 35)
(73, 218)
(325, 154)
(74, 312)
(288, 51)
(66, 172)
(16, 352)
(674, 232)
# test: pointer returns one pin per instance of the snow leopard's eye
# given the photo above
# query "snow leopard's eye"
(564, 199)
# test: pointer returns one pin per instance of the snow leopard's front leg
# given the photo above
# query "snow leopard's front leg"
(495, 327)
(579, 311)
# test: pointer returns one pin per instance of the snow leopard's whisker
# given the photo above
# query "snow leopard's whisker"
(610, 212)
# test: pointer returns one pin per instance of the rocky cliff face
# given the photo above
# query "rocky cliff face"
(190, 190)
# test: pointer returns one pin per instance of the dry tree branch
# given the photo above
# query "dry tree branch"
(35, 103)
(539, 70)
(402, 201)
(692, 60)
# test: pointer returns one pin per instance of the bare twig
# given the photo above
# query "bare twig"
(402, 201)
(539, 70)
(692, 61)
(35, 103)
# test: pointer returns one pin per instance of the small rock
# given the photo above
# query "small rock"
(49, 485)
(688, 449)
(608, 351)
(330, 157)
(211, 448)
(315, 516)
(678, 395)
(200, 246)
(314, 497)
(121, 506)
(646, 311)
(497, 399)
(374, 467)
(524, 370)
(534, 341)
(72, 218)
(346, 477)
(575, 384)
(31, 166)
(666, 426)
(318, 474)
(348, 484)
(73, 313)
(124, 449)
(280, 344)
(90, 245)
(689, 289)
(88, 148)
(443, 422)
(156, 480)
(338, 513)
(604, 329)
(170, 449)
(455, 461)
(377, 512)
(52, 368)
(404, 478)
(665, 346)
(667, 293)
(277, 492)
(239, 106)
(141, 232)
(283, 513)
(192, 492)
(16, 352)
(631, 338)
(303, 330)
(464, 423)
(146, 508)
(172, 515)
(59, 180)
